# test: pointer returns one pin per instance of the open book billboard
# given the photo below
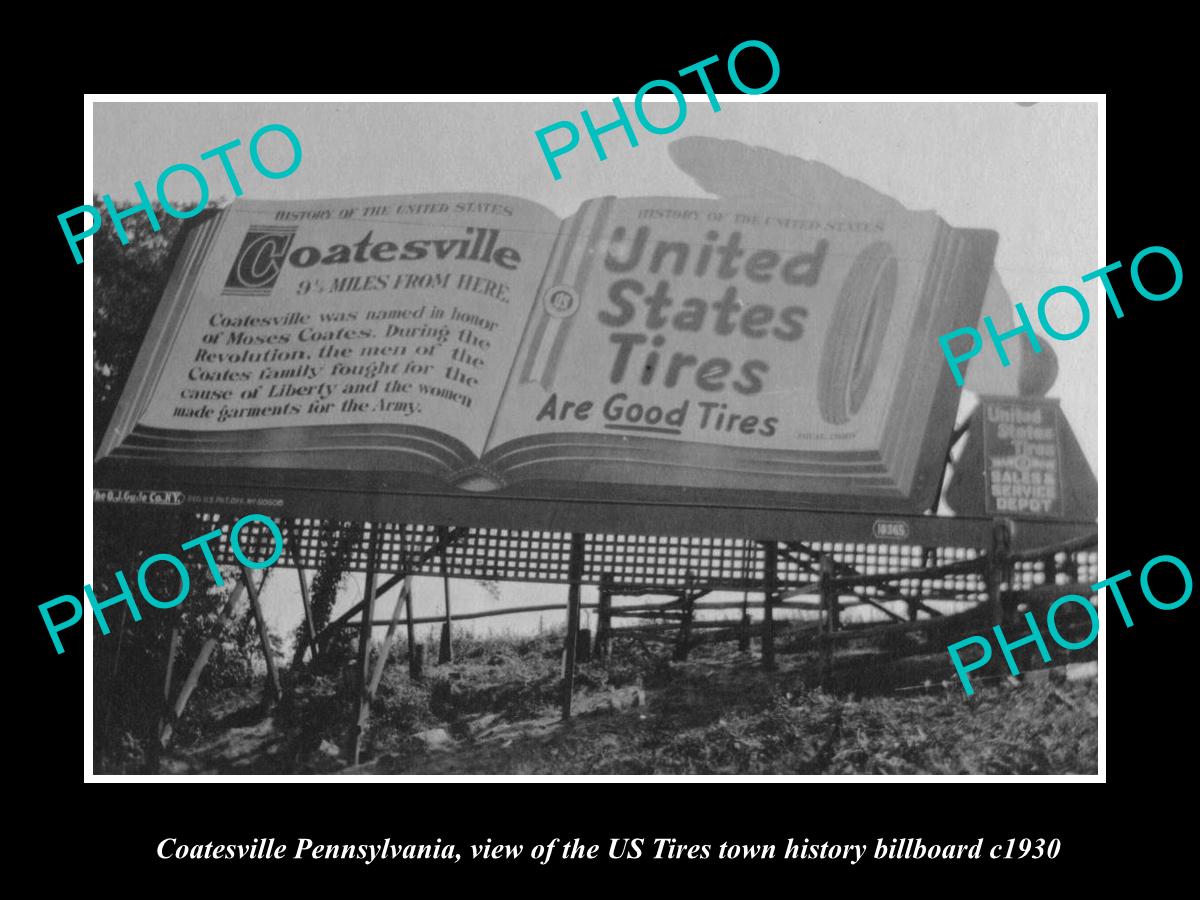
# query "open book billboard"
(473, 359)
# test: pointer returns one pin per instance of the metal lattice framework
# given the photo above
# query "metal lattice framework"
(648, 563)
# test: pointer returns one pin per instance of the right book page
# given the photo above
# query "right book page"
(711, 344)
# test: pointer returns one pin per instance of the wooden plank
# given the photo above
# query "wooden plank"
(112, 681)
(619, 612)
(604, 622)
(575, 570)
(685, 624)
(744, 637)
(849, 576)
(715, 632)
(172, 649)
(748, 554)
(829, 600)
(928, 560)
(274, 693)
(479, 614)
(445, 648)
(770, 595)
(364, 645)
(883, 609)
(583, 646)
(833, 602)
(414, 652)
(304, 597)
(429, 554)
(996, 568)
(404, 597)
(193, 676)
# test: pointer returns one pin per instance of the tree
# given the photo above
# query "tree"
(128, 282)
(130, 662)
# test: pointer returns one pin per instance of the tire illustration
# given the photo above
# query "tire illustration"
(855, 338)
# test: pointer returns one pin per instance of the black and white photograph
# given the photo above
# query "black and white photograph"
(671, 435)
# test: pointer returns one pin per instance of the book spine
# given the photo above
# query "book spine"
(560, 300)
(478, 476)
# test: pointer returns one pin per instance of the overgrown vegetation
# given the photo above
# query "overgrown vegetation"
(130, 663)
(495, 710)
(335, 543)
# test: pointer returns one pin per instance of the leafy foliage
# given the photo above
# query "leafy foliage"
(130, 662)
(128, 284)
(336, 541)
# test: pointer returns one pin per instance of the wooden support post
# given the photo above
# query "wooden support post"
(416, 662)
(583, 646)
(416, 655)
(273, 693)
(172, 649)
(575, 575)
(193, 676)
(111, 687)
(991, 581)
(997, 565)
(928, 559)
(684, 640)
(770, 596)
(404, 597)
(829, 605)
(308, 613)
(744, 632)
(1049, 569)
(833, 603)
(604, 622)
(364, 644)
(445, 650)
(748, 550)
(997, 570)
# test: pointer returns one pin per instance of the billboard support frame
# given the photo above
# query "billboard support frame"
(772, 567)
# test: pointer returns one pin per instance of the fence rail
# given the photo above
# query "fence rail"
(838, 575)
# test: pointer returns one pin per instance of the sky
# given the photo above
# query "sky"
(1028, 172)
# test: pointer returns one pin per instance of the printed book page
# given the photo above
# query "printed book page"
(387, 310)
(719, 322)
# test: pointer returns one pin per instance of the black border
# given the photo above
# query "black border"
(1150, 510)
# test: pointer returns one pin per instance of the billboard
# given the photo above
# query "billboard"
(1023, 467)
(643, 360)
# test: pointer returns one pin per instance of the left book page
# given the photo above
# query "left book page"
(373, 332)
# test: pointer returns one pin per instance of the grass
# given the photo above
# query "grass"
(494, 710)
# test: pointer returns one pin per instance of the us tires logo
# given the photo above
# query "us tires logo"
(855, 337)
(259, 262)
